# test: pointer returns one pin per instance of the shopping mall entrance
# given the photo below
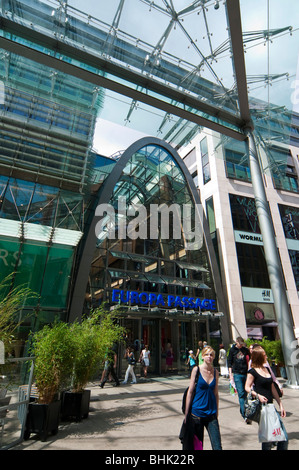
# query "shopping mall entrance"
(168, 340)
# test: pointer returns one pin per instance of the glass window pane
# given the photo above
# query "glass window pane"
(57, 276)
(30, 269)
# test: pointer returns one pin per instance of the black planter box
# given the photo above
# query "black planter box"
(75, 405)
(42, 419)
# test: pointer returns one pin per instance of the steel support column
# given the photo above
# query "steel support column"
(282, 308)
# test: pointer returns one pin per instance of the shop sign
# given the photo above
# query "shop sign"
(157, 300)
(248, 237)
(253, 294)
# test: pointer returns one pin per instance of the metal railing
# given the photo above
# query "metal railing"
(15, 389)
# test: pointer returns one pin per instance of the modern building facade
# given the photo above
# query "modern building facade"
(51, 180)
(147, 254)
(58, 67)
(47, 122)
(220, 168)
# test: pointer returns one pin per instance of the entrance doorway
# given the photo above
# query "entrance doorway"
(150, 337)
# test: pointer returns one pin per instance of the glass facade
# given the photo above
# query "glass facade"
(142, 265)
(244, 215)
(47, 121)
(40, 228)
(151, 178)
(61, 67)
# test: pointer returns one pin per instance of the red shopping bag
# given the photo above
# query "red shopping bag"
(197, 444)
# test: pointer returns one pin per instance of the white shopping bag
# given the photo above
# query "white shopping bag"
(270, 429)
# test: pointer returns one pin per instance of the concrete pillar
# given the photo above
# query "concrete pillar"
(282, 308)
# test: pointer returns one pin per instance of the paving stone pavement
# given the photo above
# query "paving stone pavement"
(147, 416)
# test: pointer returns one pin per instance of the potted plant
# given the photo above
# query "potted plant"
(274, 353)
(279, 358)
(53, 349)
(91, 338)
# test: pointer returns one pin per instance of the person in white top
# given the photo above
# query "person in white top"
(131, 362)
(145, 359)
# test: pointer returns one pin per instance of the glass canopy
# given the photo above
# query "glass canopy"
(169, 67)
(187, 45)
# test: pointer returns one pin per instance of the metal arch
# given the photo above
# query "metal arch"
(104, 196)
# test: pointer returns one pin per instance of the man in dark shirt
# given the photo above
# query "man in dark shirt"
(237, 362)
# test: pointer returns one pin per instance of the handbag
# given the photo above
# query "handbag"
(277, 389)
(270, 428)
(186, 391)
(252, 408)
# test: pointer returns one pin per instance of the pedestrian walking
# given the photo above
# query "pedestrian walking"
(198, 353)
(191, 361)
(202, 404)
(110, 365)
(237, 361)
(222, 361)
(129, 354)
(169, 357)
(260, 384)
(144, 359)
(275, 381)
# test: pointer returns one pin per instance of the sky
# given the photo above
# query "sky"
(110, 138)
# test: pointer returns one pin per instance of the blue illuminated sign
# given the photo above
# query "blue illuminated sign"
(157, 300)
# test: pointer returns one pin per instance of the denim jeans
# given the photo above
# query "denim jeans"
(212, 426)
(240, 380)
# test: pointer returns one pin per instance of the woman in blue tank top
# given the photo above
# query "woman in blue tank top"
(202, 411)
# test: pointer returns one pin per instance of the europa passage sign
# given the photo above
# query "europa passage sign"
(157, 300)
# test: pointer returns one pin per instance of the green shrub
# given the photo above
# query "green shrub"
(54, 351)
(92, 337)
(273, 349)
(68, 354)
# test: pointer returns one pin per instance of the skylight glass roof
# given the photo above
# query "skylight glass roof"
(196, 37)
(171, 66)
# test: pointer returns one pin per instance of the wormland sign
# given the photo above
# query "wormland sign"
(157, 300)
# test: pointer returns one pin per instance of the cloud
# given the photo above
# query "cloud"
(110, 137)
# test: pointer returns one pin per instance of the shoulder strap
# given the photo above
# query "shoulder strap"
(197, 375)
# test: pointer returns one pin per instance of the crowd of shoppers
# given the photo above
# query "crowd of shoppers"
(249, 372)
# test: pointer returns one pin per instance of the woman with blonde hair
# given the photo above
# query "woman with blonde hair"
(202, 409)
(260, 384)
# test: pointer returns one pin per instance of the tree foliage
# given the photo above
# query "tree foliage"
(67, 354)
(54, 351)
(273, 349)
(93, 336)
(11, 302)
